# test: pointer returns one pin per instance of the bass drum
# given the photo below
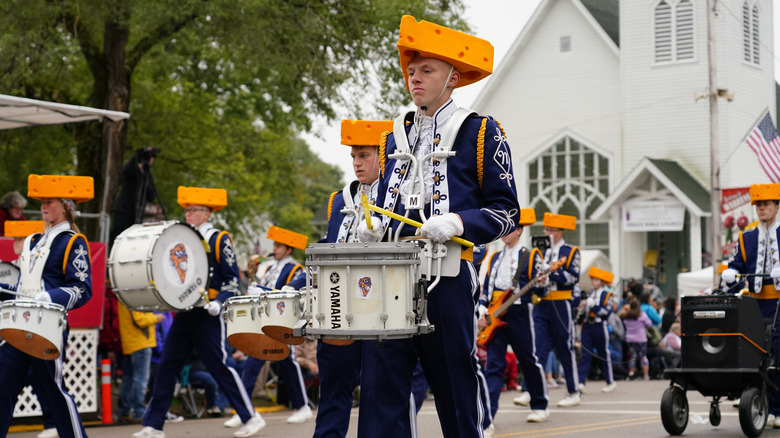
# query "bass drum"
(9, 273)
(159, 266)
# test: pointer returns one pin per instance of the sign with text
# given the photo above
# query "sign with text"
(653, 215)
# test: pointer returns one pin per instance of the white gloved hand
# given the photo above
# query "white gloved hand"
(43, 297)
(213, 307)
(775, 274)
(482, 310)
(372, 235)
(288, 288)
(729, 275)
(442, 228)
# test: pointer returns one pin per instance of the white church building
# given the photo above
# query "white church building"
(597, 98)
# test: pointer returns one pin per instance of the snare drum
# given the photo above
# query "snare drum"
(282, 311)
(33, 327)
(366, 291)
(159, 266)
(243, 320)
(9, 273)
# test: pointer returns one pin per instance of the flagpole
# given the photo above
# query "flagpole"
(715, 196)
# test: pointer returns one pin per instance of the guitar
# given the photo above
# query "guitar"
(499, 308)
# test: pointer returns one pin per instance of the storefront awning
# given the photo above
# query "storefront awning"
(18, 112)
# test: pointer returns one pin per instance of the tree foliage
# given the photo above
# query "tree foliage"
(223, 87)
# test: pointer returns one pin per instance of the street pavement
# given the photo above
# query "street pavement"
(632, 410)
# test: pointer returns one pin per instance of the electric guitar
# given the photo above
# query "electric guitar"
(499, 308)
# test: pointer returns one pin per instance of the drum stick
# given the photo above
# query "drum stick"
(414, 223)
(18, 294)
(364, 201)
(204, 295)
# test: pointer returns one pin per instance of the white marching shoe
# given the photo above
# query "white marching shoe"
(49, 433)
(538, 416)
(301, 415)
(609, 388)
(570, 400)
(251, 427)
(523, 399)
(149, 432)
(234, 421)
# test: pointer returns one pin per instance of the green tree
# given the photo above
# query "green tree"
(222, 86)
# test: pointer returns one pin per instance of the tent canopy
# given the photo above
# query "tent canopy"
(18, 112)
(695, 282)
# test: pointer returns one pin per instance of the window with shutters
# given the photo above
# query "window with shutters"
(571, 178)
(750, 31)
(674, 31)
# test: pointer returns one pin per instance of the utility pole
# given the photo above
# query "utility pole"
(715, 195)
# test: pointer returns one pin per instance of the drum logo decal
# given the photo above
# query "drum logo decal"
(26, 316)
(280, 307)
(334, 277)
(178, 257)
(364, 284)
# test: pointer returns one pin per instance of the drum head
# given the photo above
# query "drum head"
(180, 266)
(30, 343)
(259, 346)
(9, 273)
(282, 334)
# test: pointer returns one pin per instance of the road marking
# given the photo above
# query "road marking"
(577, 428)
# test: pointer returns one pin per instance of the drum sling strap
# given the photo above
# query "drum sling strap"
(213, 292)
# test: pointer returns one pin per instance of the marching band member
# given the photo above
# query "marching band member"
(757, 256)
(202, 328)
(283, 271)
(340, 365)
(552, 316)
(467, 190)
(55, 268)
(595, 334)
(508, 270)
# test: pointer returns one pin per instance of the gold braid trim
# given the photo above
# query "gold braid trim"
(330, 203)
(500, 127)
(382, 152)
(70, 245)
(481, 151)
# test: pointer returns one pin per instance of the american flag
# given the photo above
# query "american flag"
(765, 143)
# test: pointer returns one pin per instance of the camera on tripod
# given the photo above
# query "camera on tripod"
(541, 242)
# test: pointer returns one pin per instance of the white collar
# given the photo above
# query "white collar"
(205, 227)
(437, 121)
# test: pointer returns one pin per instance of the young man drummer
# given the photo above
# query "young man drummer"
(757, 255)
(466, 190)
(202, 328)
(283, 271)
(55, 268)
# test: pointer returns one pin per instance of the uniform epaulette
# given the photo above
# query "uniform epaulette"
(531, 262)
(742, 247)
(571, 255)
(70, 245)
(382, 152)
(292, 273)
(330, 202)
(219, 239)
(481, 151)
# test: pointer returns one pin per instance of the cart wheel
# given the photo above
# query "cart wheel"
(714, 414)
(753, 411)
(674, 410)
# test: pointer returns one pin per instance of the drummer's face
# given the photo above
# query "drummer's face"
(52, 210)
(365, 162)
(281, 251)
(197, 215)
(766, 210)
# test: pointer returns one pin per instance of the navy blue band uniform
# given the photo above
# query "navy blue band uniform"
(595, 334)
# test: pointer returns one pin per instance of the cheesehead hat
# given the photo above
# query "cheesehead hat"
(559, 221)
(22, 228)
(287, 237)
(364, 132)
(601, 274)
(77, 188)
(471, 56)
(764, 192)
(216, 199)
(527, 217)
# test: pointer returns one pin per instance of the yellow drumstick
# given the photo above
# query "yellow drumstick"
(411, 222)
(364, 201)
(204, 295)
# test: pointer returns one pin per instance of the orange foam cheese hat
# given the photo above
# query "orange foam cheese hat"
(77, 188)
(287, 237)
(216, 199)
(764, 192)
(527, 217)
(561, 221)
(22, 228)
(364, 132)
(601, 274)
(471, 56)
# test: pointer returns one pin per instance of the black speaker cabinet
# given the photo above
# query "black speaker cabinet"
(722, 331)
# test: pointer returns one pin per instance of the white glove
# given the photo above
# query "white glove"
(442, 228)
(373, 235)
(482, 310)
(213, 307)
(775, 274)
(288, 288)
(43, 297)
(729, 275)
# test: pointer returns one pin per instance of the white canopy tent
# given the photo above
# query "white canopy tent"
(18, 112)
(695, 282)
